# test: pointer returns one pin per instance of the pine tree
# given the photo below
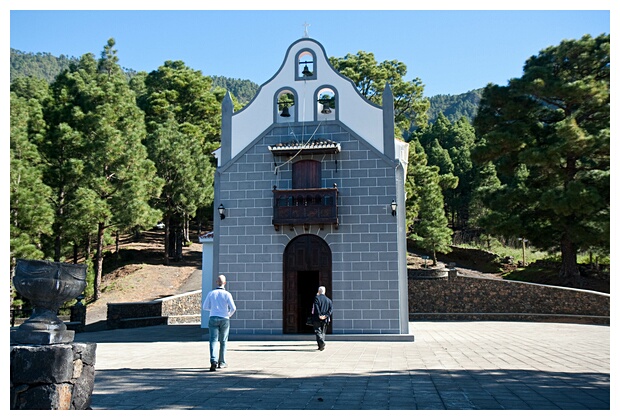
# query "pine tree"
(99, 167)
(183, 123)
(426, 220)
(548, 135)
(371, 77)
(448, 146)
(31, 214)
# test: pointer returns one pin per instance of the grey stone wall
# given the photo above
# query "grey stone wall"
(183, 304)
(497, 299)
(52, 377)
(178, 309)
(119, 313)
(364, 247)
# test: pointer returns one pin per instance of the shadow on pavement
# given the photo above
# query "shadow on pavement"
(431, 389)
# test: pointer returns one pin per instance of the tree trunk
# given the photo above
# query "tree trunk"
(118, 245)
(569, 271)
(57, 243)
(87, 247)
(167, 240)
(186, 229)
(98, 262)
(178, 254)
(58, 227)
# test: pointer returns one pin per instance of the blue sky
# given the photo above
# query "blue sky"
(451, 51)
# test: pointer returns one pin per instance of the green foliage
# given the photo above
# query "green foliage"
(183, 114)
(243, 90)
(548, 136)
(371, 77)
(539, 166)
(448, 146)
(484, 183)
(184, 166)
(455, 107)
(40, 65)
(45, 66)
(516, 252)
(96, 164)
(31, 214)
(426, 219)
(174, 91)
(89, 290)
(530, 274)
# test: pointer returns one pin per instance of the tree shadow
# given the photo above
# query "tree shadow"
(428, 389)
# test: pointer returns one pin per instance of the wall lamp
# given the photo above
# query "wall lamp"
(393, 205)
(222, 210)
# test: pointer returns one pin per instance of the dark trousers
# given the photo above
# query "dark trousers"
(319, 331)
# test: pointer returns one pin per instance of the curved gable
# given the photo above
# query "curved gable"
(353, 110)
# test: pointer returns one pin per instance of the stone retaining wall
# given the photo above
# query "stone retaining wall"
(52, 377)
(185, 304)
(156, 312)
(458, 297)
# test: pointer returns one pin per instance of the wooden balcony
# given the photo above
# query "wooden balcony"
(310, 206)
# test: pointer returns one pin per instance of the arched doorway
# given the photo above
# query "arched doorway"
(307, 265)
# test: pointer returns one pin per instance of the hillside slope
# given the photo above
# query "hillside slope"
(138, 274)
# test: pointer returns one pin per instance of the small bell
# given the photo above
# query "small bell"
(306, 72)
(285, 112)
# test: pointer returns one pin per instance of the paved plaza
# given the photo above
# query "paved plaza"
(448, 366)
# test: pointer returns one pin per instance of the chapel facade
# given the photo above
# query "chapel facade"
(310, 190)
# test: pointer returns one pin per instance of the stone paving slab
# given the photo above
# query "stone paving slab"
(449, 366)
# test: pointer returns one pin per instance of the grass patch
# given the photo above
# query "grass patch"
(532, 274)
(503, 251)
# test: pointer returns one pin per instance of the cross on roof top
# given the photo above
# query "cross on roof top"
(305, 25)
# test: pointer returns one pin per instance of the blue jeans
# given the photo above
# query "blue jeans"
(218, 331)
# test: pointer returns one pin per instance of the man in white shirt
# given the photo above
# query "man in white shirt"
(221, 306)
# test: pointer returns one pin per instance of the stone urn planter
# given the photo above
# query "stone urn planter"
(47, 285)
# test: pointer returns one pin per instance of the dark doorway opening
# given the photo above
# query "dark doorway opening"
(307, 286)
(307, 265)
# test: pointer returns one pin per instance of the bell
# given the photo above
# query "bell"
(285, 112)
(306, 72)
(326, 109)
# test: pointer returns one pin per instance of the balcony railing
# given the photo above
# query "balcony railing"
(310, 206)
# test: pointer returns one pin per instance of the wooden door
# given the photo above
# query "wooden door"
(306, 174)
(307, 265)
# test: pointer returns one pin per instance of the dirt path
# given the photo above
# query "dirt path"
(142, 275)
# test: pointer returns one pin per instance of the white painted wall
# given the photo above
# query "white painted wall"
(207, 277)
(363, 118)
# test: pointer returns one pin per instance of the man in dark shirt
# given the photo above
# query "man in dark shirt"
(321, 316)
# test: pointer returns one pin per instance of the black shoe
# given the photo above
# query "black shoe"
(213, 366)
(321, 348)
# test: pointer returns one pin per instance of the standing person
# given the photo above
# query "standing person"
(321, 316)
(220, 304)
